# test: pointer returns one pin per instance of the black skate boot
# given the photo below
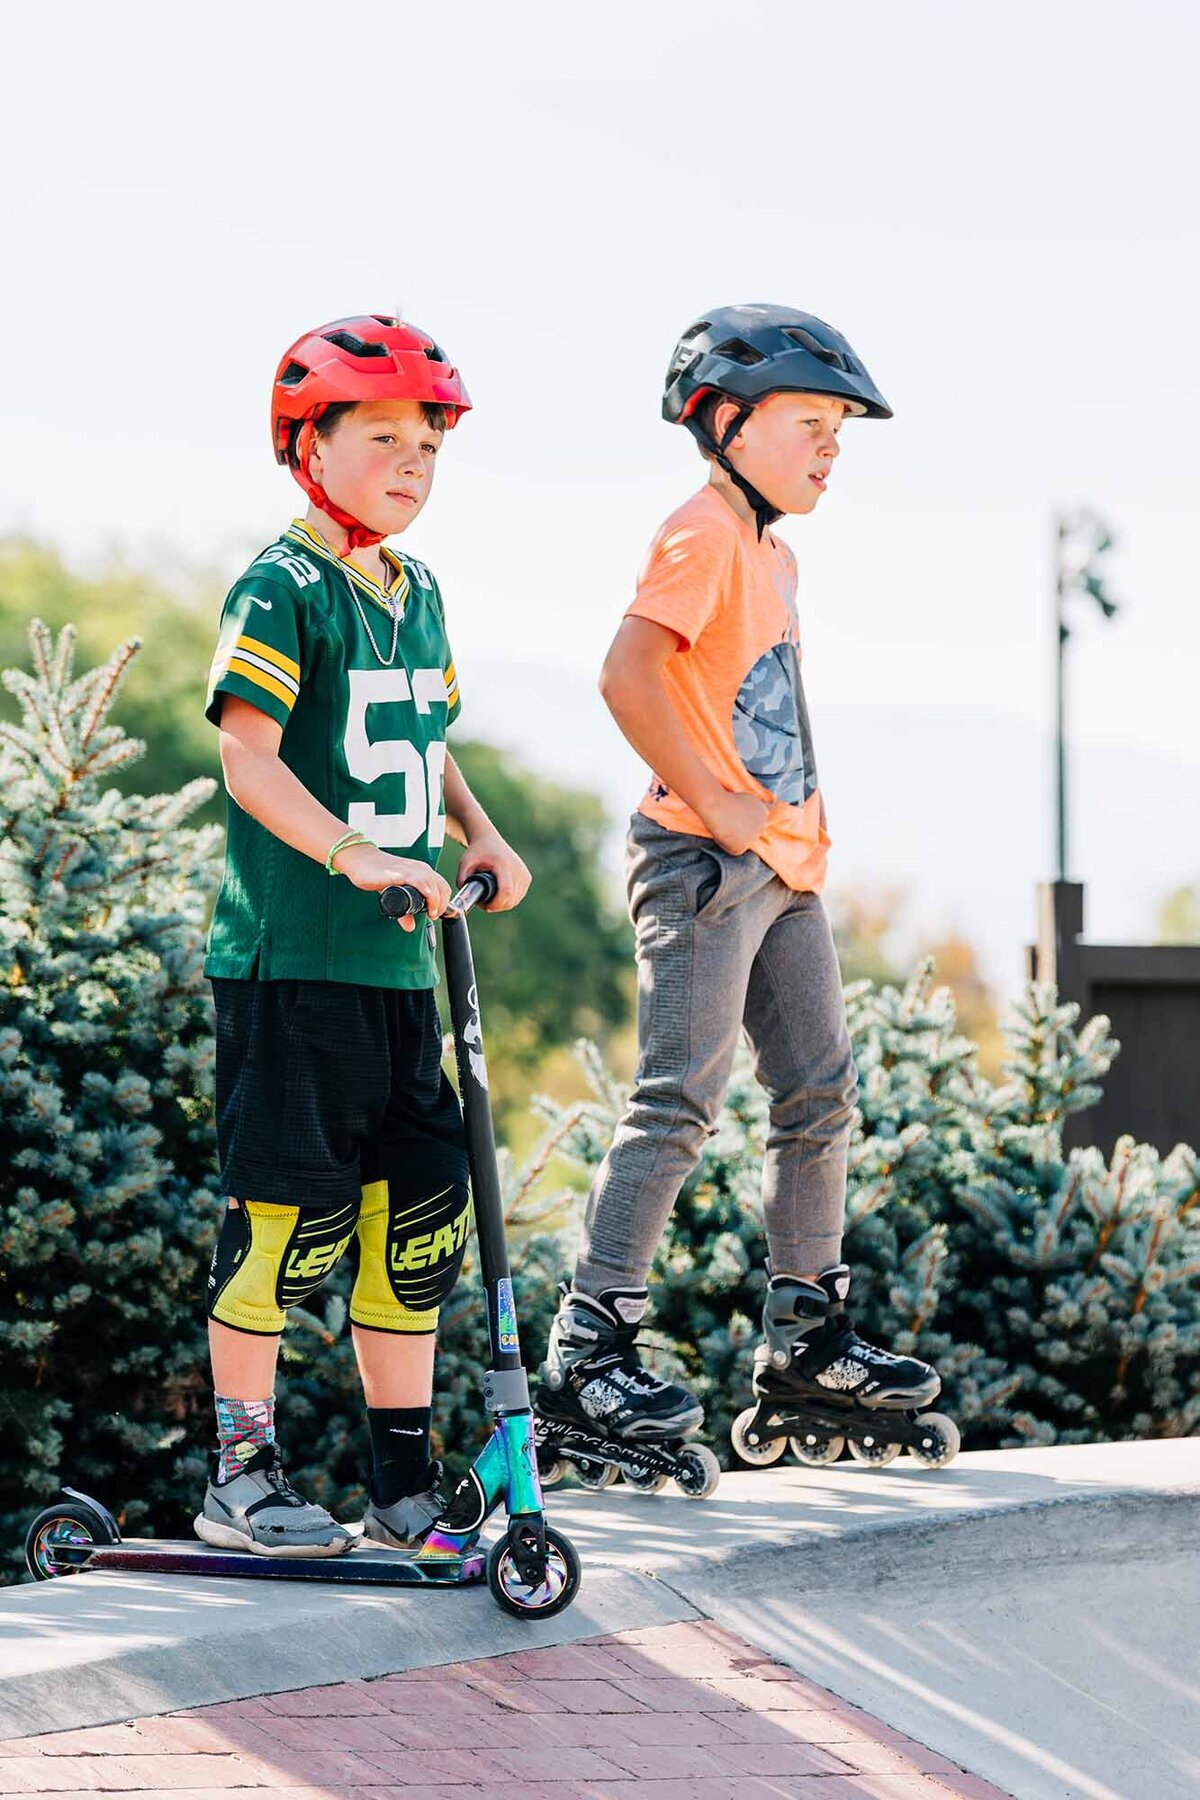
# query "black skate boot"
(820, 1386)
(601, 1410)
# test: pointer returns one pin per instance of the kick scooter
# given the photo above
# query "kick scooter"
(532, 1570)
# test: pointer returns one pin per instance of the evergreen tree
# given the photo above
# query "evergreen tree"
(1085, 1276)
(173, 614)
(106, 1163)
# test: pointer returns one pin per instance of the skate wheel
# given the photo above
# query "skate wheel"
(815, 1451)
(940, 1441)
(596, 1475)
(513, 1594)
(55, 1530)
(755, 1456)
(697, 1472)
(877, 1454)
(652, 1481)
(552, 1473)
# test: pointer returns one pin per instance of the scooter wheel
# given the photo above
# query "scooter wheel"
(876, 1455)
(816, 1452)
(513, 1594)
(55, 1528)
(940, 1441)
(652, 1482)
(756, 1456)
(596, 1475)
(697, 1472)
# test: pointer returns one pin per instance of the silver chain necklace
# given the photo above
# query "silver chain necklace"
(396, 610)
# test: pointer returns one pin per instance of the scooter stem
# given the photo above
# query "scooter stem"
(506, 1388)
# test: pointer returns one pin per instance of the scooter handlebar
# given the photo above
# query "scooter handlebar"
(406, 902)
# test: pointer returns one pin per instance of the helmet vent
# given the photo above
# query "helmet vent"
(293, 375)
(435, 353)
(693, 331)
(739, 351)
(346, 340)
(815, 347)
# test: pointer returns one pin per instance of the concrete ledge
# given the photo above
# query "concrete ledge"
(92, 1649)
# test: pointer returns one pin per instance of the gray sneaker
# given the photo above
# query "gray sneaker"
(259, 1510)
(406, 1523)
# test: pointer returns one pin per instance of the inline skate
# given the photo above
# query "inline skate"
(819, 1387)
(600, 1412)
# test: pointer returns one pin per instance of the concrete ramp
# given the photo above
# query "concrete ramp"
(1033, 1615)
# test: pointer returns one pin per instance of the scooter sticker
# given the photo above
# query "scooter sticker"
(506, 1320)
(473, 1039)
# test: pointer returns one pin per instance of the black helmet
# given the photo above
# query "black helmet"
(749, 352)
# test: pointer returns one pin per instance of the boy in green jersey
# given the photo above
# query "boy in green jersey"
(332, 688)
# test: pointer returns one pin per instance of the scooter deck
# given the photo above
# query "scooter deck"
(377, 1567)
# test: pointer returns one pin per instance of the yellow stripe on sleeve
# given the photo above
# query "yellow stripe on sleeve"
(272, 655)
(248, 672)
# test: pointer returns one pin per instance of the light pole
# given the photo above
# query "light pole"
(1081, 540)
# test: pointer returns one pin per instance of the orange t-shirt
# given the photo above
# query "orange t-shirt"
(734, 680)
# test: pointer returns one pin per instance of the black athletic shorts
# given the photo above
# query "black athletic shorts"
(324, 1086)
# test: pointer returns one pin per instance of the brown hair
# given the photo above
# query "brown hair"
(331, 416)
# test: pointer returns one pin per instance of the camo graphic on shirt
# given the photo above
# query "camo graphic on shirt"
(771, 729)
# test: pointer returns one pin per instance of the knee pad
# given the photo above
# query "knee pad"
(271, 1257)
(410, 1252)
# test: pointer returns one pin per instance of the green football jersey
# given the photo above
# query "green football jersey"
(309, 639)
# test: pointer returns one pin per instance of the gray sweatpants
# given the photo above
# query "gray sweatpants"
(724, 945)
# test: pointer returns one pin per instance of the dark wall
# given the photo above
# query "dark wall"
(1153, 1088)
(1151, 994)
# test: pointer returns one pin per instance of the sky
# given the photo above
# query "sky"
(995, 203)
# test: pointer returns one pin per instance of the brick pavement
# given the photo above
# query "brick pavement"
(678, 1712)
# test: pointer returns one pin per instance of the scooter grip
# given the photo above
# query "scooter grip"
(401, 902)
(487, 883)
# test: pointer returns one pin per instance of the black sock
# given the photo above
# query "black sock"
(399, 1451)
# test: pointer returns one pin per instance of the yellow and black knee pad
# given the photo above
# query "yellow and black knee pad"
(271, 1257)
(410, 1252)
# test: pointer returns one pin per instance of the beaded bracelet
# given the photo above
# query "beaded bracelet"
(346, 842)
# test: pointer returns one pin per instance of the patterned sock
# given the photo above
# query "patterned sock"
(243, 1427)
(399, 1451)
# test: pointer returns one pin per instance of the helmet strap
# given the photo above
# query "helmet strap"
(358, 535)
(764, 513)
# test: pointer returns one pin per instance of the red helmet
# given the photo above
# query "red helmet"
(373, 357)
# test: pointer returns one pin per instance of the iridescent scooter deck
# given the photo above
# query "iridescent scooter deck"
(376, 1567)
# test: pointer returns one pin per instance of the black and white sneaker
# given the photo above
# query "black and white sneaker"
(594, 1377)
(259, 1510)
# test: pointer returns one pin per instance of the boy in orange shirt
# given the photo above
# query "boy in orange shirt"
(726, 861)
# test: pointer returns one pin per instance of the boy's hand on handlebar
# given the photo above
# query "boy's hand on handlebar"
(489, 851)
(373, 870)
(736, 821)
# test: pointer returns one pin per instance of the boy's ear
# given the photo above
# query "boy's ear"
(723, 415)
